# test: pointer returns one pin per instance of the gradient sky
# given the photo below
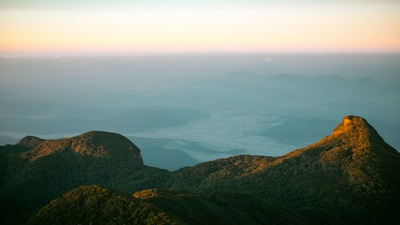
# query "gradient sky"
(234, 25)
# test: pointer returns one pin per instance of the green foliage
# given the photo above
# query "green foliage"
(97, 205)
(349, 177)
(353, 174)
(33, 177)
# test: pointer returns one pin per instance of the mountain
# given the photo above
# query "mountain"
(30, 141)
(93, 144)
(97, 205)
(349, 177)
(352, 172)
(35, 171)
(84, 204)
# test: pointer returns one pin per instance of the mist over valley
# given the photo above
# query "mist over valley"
(181, 109)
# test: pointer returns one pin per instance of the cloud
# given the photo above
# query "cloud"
(219, 134)
(268, 59)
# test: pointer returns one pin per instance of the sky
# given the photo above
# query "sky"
(235, 25)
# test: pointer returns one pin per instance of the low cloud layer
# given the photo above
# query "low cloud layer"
(223, 132)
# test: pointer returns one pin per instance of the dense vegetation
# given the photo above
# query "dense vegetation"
(32, 177)
(97, 205)
(352, 174)
(349, 177)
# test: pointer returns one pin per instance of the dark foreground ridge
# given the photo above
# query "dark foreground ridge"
(349, 177)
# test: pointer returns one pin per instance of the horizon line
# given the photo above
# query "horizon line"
(10, 53)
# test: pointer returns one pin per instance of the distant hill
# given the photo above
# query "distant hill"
(30, 141)
(94, 144)
(349, 177)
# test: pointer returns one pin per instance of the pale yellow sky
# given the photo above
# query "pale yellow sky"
(304, 27)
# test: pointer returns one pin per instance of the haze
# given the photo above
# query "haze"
(189, 82)
(181, 109)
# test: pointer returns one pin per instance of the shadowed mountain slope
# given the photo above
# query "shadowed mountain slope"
(30, 141)
(352, 172)
(43, 170)
(349, 177)
(97, 205)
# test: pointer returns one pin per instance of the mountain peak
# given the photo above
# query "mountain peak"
(104, 144)
(99, 144)
(352, 123)
(354, 137)
(356, 128)
(30, 141)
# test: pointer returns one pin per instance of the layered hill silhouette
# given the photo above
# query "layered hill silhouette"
(349, 177)
(35, 171)
(97, 205)
(353, 173)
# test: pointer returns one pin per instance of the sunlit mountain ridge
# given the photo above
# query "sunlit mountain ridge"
(348, 177)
